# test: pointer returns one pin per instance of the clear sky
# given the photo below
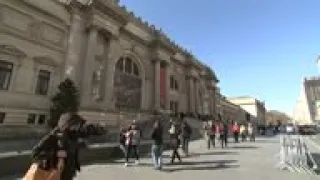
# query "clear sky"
(260, 48)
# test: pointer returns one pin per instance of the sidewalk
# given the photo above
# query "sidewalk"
(243, 161)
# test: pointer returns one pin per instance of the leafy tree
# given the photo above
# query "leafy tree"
(66, 100)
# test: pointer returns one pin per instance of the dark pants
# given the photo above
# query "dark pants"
(252, 137)
(243, 137)
(132, 150)
(236, 136)
(223, 140)
(185, 145)
(211, 140)
(175, 154)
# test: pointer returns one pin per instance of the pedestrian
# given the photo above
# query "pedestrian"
(251, 133)
(243, 132)
(133, 137)
(225, 132)
(61, 144)
(157, 145)
(174, 142)
(122, 141)
(210, 134)
(218, 132)
(186, 132)
(236, 131)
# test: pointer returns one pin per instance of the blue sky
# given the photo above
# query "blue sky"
(260, 48)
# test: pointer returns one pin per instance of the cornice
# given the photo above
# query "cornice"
(134, 37)
(113, 10)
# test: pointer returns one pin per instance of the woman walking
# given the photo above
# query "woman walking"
(132, 143)
(157, 145)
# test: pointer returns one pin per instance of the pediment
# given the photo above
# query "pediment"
(12, 51)
(45, 60)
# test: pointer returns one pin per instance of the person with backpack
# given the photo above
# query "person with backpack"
(60, 148)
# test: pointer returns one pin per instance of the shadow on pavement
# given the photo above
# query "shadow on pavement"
(244, 147)
(213, 153)
(194, 166)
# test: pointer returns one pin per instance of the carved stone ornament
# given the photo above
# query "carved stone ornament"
(11, 50)
(82, 2)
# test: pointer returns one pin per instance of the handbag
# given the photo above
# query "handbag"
(37, 173)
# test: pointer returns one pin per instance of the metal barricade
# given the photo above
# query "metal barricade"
(294, 153)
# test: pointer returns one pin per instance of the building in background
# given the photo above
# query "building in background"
(229, 111)
(307, 108)
(255, 108)
(119, 62)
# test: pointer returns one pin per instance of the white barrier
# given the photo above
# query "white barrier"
(293, 153)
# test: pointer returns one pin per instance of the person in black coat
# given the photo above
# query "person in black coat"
(62, 142)
(174, 133)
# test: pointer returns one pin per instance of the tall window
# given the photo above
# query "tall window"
(43, 81)
(2, 117)
(128, 66)
(31, 118)
(127, 84)
(5, 74)
(41, 119)
(173, 84)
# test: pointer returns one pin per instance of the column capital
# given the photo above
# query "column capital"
(77, 6)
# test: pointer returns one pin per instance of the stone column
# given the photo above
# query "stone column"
(112, 56)
(196, 96)
(76, 40)
(191, 95)
(157, 84)
(167, 98)
(89, 65)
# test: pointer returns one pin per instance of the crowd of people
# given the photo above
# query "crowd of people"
(179, 132)
(219, 131)
(60, 148)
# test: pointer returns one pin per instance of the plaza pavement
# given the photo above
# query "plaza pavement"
(243, 161)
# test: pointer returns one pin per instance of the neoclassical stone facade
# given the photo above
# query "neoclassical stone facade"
(119, 62)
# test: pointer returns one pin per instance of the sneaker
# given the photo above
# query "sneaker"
(125, 164)
(136, 162)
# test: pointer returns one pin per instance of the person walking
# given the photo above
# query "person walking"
(174, 142)
(157, 145)
(225, 132)
(210, 134)
(186, 132)
(236, 131)
(61, 144)
(251, 132)
(133, 137)
(122, 141)
(243, 132)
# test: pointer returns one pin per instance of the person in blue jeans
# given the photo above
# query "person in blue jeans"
(157, 145)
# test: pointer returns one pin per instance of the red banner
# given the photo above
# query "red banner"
(163, 85)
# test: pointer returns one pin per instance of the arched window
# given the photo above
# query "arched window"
(127, 84)
(128, 66)
(173, 84)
